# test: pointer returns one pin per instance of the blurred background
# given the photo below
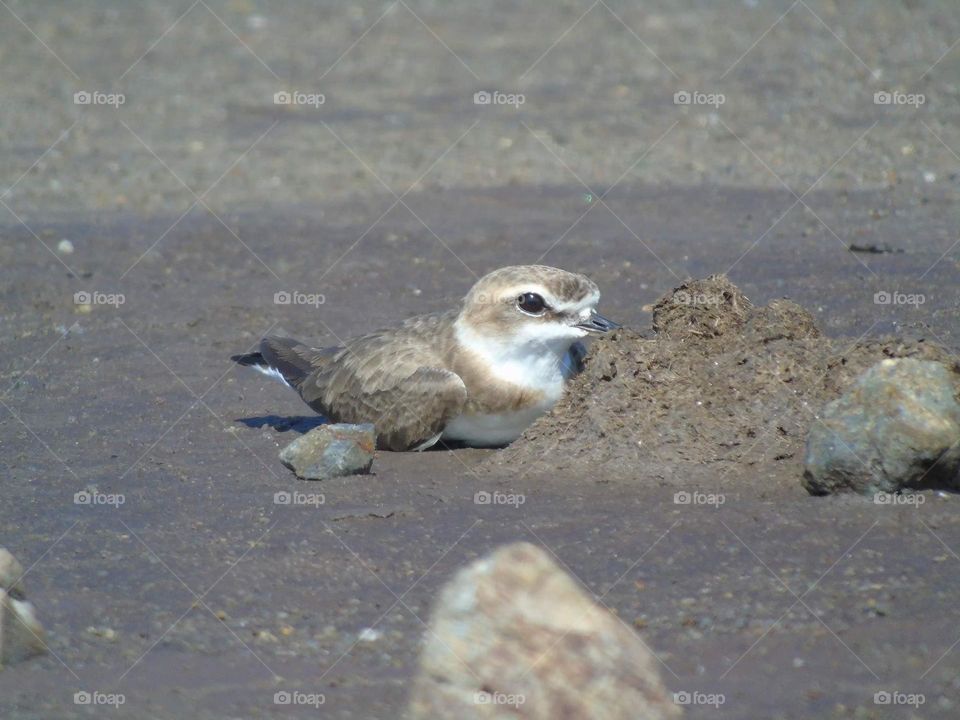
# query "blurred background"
(789, 89)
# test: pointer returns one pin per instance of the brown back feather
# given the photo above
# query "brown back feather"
(391, 378)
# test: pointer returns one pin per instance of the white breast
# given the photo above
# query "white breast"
(493, 429)
(538, 366)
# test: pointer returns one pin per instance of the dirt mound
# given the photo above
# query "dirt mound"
(702, 308)
(719, 381)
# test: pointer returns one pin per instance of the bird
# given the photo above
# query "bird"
(475, 375)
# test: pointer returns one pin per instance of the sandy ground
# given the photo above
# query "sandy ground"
(198, 199)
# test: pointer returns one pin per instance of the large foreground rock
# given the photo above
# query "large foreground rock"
(897, 427)
(21, 635)
(513, 636)
(331, 451)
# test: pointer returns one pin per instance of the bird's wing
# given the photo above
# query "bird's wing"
(396, 384)
(291, 358)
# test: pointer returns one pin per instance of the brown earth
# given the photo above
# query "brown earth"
(718, 382)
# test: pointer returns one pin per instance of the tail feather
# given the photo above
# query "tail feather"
(288, 357)
(284, 358)
(249, 359)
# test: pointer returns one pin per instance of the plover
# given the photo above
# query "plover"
(478, 374)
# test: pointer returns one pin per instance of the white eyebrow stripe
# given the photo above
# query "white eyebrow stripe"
(587, 303)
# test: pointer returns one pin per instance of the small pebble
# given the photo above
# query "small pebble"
(369, 635)
(256, 22)
(330, 451)
(104, 632)
(65, 247)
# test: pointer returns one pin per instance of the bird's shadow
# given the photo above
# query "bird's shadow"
(305, 423)
(298, 423)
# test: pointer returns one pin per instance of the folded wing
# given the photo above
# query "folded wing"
(398, 386)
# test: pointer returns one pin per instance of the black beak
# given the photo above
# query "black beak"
(598, 324)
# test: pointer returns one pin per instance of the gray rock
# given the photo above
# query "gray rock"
(513, 636)
(21, 635)
(331, 451)
(897, 427)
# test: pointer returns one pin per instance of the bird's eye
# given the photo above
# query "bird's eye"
(531, 303)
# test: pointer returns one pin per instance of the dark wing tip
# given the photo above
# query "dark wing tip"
(249, 359)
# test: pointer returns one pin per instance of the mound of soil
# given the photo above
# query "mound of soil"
(718, 381)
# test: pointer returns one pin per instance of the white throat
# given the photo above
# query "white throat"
(534, 363)
(542, 367)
